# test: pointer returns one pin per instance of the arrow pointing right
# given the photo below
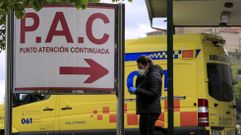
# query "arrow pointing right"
(96, 71)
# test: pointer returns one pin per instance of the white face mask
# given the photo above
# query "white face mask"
(141, 71)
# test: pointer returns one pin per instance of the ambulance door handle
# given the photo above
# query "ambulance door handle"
(66, 108)
(215, 105)
(130, 99)
(228, 112)
(48, 109)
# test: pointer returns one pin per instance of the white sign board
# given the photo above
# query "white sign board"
(62, 48)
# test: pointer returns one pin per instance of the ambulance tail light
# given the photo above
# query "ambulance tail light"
(187, 54)
(203, 112)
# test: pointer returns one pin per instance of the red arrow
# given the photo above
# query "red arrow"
(96, 71)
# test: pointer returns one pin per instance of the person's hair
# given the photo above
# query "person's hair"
(144, 60)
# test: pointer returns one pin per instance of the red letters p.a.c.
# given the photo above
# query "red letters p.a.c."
(24, 28)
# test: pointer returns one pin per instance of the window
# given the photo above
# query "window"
(220, 82)
(21, 99)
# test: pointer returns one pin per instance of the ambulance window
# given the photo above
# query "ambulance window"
(21, 99)
(220, 82)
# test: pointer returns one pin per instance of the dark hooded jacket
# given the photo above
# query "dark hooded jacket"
(148, 91)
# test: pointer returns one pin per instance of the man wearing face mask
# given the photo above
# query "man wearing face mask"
(148, 93)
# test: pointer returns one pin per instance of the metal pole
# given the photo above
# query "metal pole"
(120, 43)
(170, 65)
(239, 45)
(9, 76)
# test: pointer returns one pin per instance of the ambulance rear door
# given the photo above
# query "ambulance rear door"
(221, 103)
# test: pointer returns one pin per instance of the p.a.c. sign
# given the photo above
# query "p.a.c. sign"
(62, 48)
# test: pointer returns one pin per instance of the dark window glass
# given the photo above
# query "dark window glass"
(220, 82)
(21, 99)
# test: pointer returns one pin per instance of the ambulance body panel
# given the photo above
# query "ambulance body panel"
(201, 72)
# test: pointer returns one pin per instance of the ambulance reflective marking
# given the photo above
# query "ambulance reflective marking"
(133, 74)
(186, 118)
(130, 79)
(161, 55)
(132, 118)
(197, 52)
(176, 105)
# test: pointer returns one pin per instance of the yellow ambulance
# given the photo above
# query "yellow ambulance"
(203, 95)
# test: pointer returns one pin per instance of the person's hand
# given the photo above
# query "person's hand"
(132, 90)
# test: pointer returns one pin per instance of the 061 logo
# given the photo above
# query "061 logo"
(26, 121)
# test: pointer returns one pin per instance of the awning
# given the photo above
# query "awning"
(198, 12)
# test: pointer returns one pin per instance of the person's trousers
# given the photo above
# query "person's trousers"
(146, 123)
